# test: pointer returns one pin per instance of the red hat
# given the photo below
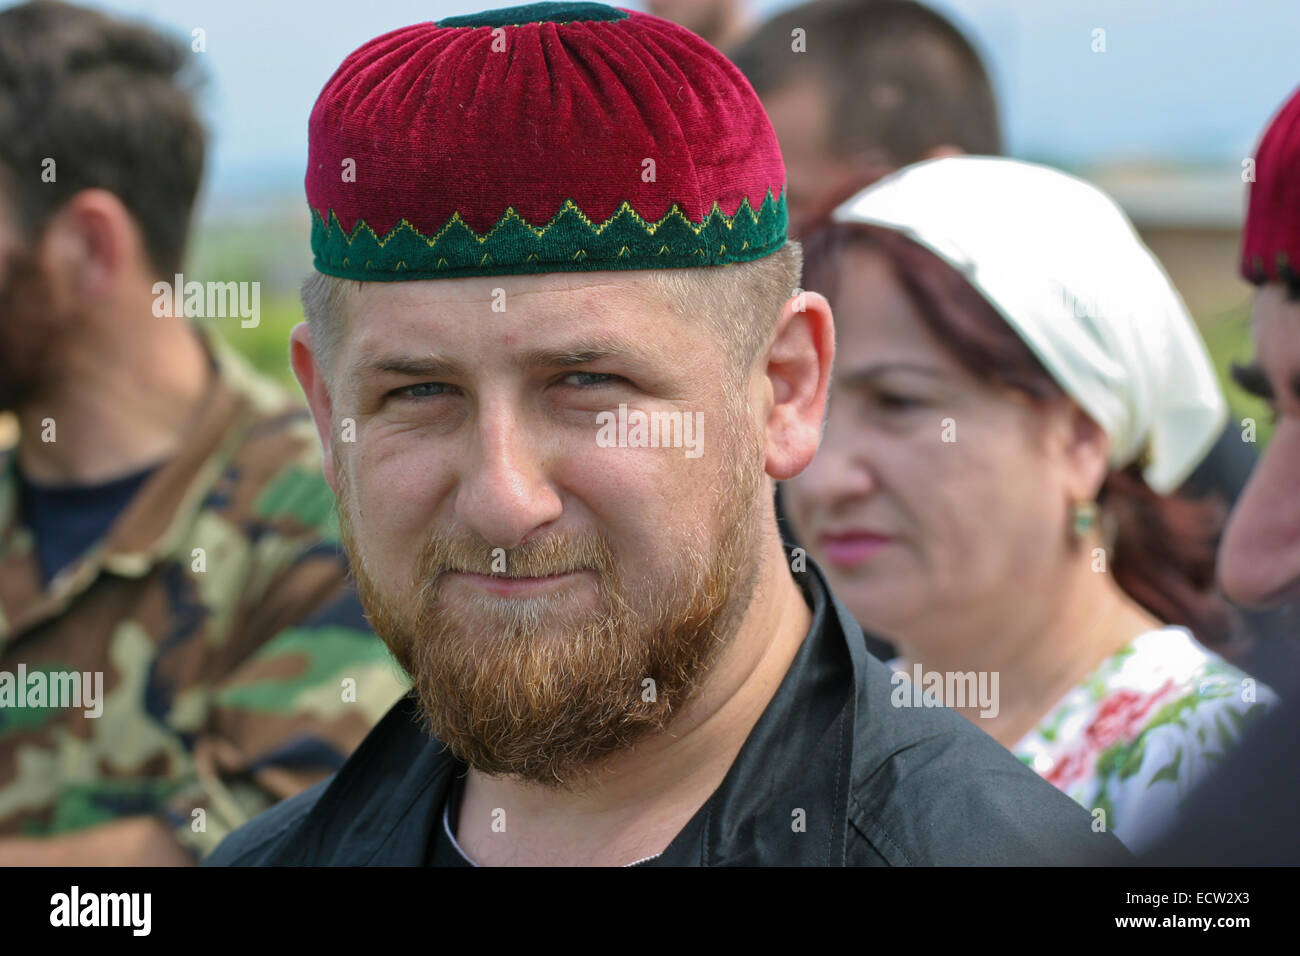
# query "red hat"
(542, 138)
(1270, 248)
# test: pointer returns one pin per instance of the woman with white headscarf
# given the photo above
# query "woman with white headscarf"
(1017, 392)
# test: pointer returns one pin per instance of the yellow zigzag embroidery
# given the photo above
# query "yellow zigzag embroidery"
(510, 215)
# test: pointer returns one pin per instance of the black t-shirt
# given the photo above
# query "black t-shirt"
(66, 520)
(445, 851)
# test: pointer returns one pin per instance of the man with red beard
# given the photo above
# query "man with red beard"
(555, 362)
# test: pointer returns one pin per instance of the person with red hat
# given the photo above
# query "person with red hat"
(556, 358)
(1260, 556)
(1246, 815)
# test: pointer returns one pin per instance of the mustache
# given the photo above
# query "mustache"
(542, 557)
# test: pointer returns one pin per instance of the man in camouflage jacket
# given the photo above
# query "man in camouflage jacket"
(179, 644)
(237, 667)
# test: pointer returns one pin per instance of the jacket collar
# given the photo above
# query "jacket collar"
(785, 799)
(154, 522)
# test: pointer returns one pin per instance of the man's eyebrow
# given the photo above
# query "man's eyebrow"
(1251, 379)
(432, 366)
(567, 356)
(867, 374)
(579, 353)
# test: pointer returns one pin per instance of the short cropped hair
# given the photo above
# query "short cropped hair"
(111, 104)
(899, 77)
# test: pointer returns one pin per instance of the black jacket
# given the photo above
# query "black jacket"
(1245, 814)
(877, 784)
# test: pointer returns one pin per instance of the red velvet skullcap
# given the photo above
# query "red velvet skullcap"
(1270, 249)
(542, 138)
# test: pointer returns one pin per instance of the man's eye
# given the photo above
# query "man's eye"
(423, 390)
(592, 379)
(895, 402)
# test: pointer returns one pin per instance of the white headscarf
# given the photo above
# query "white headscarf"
(1062, 264)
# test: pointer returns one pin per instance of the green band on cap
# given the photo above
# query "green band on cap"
(570, 242)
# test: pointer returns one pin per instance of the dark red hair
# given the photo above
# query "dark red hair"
(1163, 553)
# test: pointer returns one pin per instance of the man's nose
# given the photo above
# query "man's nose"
(505, 492)
(1259, 556)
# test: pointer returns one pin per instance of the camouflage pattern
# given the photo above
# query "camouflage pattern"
(237, 666)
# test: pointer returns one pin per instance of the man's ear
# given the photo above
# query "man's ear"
(88, 245)
(798, 375)
(315, 386)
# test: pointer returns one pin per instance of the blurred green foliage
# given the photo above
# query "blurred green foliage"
(267, 344)
(269, 246)
(1228, 339)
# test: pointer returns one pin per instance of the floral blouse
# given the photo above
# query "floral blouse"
(1137, 736)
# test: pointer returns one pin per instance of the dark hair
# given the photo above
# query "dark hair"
(899, 76)
(102, 99)
(1163, 553)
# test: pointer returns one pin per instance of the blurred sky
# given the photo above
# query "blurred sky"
(1181, 81)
